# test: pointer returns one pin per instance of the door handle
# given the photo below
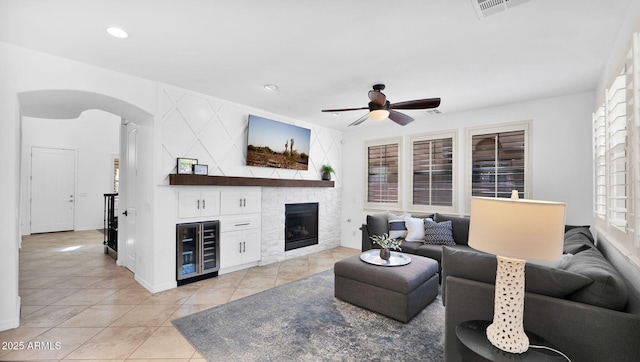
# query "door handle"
(126, 213)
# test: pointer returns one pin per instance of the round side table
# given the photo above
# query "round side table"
(473, 334)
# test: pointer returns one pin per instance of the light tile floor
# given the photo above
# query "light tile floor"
(78, 305)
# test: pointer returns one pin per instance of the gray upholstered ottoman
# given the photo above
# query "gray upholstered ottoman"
(399, 292)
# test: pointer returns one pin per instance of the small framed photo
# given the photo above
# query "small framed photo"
(200, 169)
(185, 165)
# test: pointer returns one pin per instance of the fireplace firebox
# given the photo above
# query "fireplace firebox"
(301, 225)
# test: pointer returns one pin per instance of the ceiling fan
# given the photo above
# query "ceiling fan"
(380, 108)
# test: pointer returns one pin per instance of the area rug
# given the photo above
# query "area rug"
(303, 321)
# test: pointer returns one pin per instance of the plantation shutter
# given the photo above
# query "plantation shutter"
(382, 174)
(600, 164)
(616, 126)
(498, 164)
(433, 172)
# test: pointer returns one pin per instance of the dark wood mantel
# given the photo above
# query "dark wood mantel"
(202, 180)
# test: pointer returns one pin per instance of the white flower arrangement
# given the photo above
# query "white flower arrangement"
(385, 242)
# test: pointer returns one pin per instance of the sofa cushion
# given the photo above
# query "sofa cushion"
(397, 228)
(577, 239)
(410, 247)
(377, 224)
(415, 228)
(438, 233)
(430, 251)
(608, 290)
(459, 227)
(539, 279)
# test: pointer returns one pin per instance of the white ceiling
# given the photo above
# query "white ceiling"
(328, 53)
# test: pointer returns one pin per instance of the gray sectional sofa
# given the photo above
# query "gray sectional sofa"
(587, 304)
(378, 224)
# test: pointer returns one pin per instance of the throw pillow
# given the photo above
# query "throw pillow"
(438, 233)
(415, 228)
(397, 229)
(377, 224)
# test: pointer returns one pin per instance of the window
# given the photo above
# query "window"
(116, 174)
(384, 174)
(600, 164)
(498, 160)
(616, 154)
(432, 176)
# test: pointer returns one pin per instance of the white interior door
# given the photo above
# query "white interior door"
(128, 202)
(52, 189)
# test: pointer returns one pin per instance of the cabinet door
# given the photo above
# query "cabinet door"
(240, 202)
(230, 248)
(209, 246)
(188, 204)
(209, 203)
(252, 202)
(252, 245)
(231, 202)
(187, 237)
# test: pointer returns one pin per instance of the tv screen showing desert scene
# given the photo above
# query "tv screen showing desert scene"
(276, 144)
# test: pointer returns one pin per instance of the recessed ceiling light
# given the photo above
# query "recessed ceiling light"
(117, 32)
(271, 87)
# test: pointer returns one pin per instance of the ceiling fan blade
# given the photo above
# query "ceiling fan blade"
(359, 120)
(400, 118)
(377, 97)
(344, 109)
(417, 104)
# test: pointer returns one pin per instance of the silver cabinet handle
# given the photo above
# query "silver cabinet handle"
(243, 224)
(240, 243)
(204, 206)
(198, 204)
(245, 202)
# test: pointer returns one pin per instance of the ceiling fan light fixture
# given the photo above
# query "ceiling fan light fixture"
(379, 114)
(117, 32)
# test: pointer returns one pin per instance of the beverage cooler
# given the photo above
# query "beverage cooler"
(198, 251)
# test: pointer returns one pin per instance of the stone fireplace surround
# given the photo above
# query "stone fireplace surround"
(273, 218)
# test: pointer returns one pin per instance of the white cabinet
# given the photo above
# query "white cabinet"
(198, 203)
(239, 242)
(240, 201)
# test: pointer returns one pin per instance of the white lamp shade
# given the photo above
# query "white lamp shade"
(519, 229)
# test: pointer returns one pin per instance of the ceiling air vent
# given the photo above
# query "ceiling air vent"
(433, 111)
(485, 8)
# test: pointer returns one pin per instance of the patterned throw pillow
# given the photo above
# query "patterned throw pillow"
(397, 229)
(438, 233)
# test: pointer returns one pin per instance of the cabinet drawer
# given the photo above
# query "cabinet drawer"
(239, 224)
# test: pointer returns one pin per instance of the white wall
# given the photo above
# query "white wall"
(214, 131)
(561, 154)
(95, 138)
(24, 70)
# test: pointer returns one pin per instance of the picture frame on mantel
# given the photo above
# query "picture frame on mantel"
(185, 166)
(200, 169)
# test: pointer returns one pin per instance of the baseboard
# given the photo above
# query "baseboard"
(237, 267)
(155, 288)
(12, 322)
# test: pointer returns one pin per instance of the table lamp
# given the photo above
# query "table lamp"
(515, 231)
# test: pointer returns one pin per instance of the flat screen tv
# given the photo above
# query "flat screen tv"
(276, 144)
